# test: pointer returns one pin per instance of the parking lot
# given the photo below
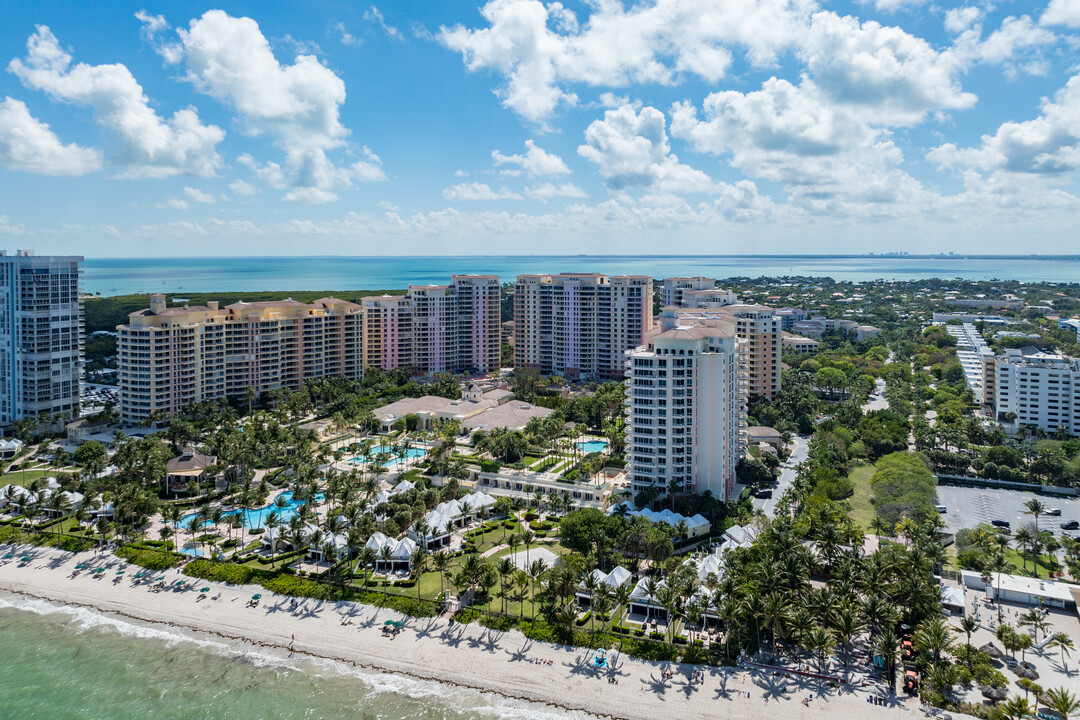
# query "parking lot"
(970, 506)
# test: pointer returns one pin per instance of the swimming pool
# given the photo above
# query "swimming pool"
(413, 453)
(256, 517)
(192, 551)
(592, 446)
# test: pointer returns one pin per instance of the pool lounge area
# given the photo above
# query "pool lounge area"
(592, 446)
(256, 517)
(413, 453)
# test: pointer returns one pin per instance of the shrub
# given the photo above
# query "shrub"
(583, 619)
(219, 572)
(466, 615)
(148, 558)
(502, 623)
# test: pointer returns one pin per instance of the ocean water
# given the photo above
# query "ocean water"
(76, 664)
(121, 276)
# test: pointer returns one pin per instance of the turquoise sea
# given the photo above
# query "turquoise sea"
(121, 276)
(75, 664)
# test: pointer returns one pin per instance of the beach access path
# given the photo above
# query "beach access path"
(430, 648)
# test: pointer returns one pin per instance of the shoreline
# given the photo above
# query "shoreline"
(471, 656)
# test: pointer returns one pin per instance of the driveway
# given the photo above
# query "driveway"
(799, 450)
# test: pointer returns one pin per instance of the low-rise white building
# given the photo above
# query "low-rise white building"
(1021, 589)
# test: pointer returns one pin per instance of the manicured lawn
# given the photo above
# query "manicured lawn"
(1018, 561)
(25, 477)
(862, 510)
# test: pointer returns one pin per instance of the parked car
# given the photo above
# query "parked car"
(1055, 512)
(941, 509)
(765, 493)
(1000, 523)
(1070, 525)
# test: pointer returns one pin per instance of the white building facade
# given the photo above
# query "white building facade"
(41, 335)
(1040, 389)
(686, 389)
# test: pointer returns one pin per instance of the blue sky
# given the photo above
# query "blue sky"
(518, 127)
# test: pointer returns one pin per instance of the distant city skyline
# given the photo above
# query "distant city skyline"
(694, 127)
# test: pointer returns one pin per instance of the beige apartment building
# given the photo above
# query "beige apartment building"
(580, 325)
(675, 289)
(762, 330)
(435, 328)
(169, 357)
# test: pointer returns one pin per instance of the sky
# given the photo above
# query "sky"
(509, 127)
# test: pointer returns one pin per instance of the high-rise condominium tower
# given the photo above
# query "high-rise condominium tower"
(580, 325)
(41, 335)
(685, 399)
(436, 328)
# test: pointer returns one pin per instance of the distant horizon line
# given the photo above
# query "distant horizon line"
(891, 256)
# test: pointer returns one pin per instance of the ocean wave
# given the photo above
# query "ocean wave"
(480, 704)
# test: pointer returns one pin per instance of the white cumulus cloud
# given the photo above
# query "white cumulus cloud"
(541, 49)
(1062, 12)
(631, 151)
(1046, 145)
(149, 145)
(546, 191)
(242, 188)
(297, 106)
(197, 195)
(29, 145)
(478, 191)
(536, 161)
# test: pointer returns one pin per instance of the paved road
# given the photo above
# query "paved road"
(877, 400)
(799, 451)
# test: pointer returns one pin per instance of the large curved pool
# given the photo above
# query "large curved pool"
(256, 517)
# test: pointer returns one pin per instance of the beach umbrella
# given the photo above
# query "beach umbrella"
(399, 624)
(161, 579)
(256, 596)
(388, 622)
(9, 556)
(205, 590)
(119, 572)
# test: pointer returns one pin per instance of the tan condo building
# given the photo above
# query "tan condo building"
(580, 325)
(435, 328)
(169, 357)
(759, 326)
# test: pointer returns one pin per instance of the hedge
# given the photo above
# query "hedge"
(149, 558)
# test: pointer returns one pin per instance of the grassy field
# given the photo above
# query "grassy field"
(1018, 561)
(862, 510)
(25, 477)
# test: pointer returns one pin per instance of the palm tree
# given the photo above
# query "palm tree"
(505, 571)
(968, 626)
(1062, 701)
(535, 571)
(272, 522)
(1015, 708)
(775, 616)
(933, 637)
(441, 561)
(1035, 508)
(419, 563)
(1023, 539)
(848, 625)
(1062, 642)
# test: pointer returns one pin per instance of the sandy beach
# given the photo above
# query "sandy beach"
(429, 648)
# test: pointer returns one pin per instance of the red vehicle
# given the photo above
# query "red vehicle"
(907, 650)
(911, 682)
